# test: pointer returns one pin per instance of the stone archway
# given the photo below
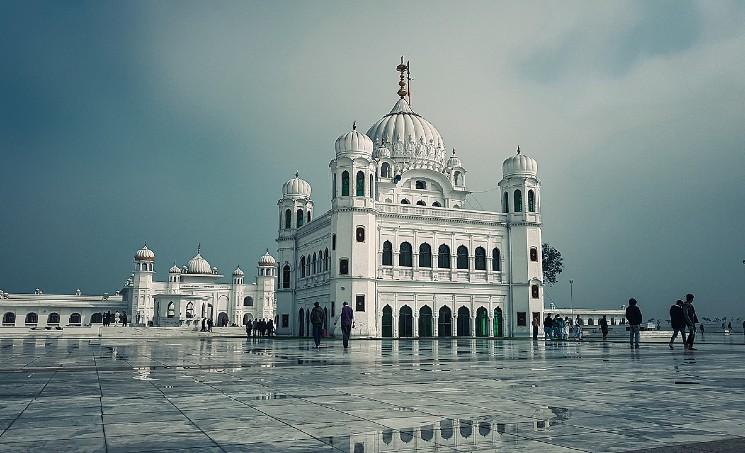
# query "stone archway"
(498, 323)
(222, 319)
(482, 322)
(387, 322)
(405, 322)
(425, 321)
(445, 322)
(464, 322)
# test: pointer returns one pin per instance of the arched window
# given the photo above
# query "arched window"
(387, 253)
(308, 217)
(533, 254)
(299, 218)
(288, 218)
(534, 291)
(189, 310)
(171, 310)
(436, 204)
(302, 266)
(9, 318)
(286, 276)
(425, 255)
(405, 201)
(480, 259)
(518, 201)
(248, 301)
(360, 234)
(360, 184)
(443, 257)
(385, 170)
(531, 201)
(75, 318)
(421, 203)
(495, 260)
(326, 260)
(333, 186)
(372, 190)
(314, 263)
(404, 255)
(53, 318)
(506, 203)
(458, 178)
(307, 263)
(462, 260)
(421, 185)
(32, 318)
(345, 184)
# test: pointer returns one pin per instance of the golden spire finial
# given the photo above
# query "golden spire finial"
(402, 68)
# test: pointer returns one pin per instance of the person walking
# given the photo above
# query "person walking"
(534, 323)
(248, 329)
(729, 326)
(604, 327)
(548, 325)
(347, 322)
(566, 327)
(270, 327)
(701, 329)
(578, 328)
(634, 316)
(689, 314)
(557, 327)
(210, 323)
(316, 318)
(677, 322)
(256, 328)
(204, 325)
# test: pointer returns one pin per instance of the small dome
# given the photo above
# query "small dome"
(381, 152)
(519, 165)
(454, 161)
(145, 254)
(238, 272)
(198, 265)
(174, 269)
(354, 142)
(296, 188)
(267, 260)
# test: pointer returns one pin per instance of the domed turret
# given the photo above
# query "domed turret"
(519, 165)
(354, 142)
(238, 272)
(267, 260)
(198, 265)
(296, 188)
(174, 269)
(144, 254)
(454, 161)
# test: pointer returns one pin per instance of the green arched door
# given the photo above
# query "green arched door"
(387, 324)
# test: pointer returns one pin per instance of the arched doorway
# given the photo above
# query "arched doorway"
(247, 318)
(498, 328)
(482, 322)
(464, 322)
(96, 318)
(222, 319)
(387, 324)
(405, 322)
(445, 322)
(301, 323)
(425, 321)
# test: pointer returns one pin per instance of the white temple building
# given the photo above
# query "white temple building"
(398, 244)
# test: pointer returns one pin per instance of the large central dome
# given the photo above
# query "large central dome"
(407, 136)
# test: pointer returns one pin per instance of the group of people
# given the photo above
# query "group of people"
(207, 324)
(317, 316)
(108, 318)
(682, 317)
(260, 328)
(558, 328)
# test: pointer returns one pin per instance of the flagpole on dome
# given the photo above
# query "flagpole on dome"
(408, 79)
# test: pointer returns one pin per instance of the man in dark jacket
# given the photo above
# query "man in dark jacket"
(316, 318)
(634, 317)
(347, 321)
(548, 325)
(689, 314)
(677, 322)
(604, 326)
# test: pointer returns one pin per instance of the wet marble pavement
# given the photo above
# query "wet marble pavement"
(457, 395)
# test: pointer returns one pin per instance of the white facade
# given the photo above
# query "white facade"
(194, 293)
(398, 245)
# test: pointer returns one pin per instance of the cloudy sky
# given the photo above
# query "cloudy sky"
(177, 123)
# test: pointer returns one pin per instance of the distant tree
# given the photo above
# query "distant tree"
(553, 263)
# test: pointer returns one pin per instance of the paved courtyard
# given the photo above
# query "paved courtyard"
(224, 394)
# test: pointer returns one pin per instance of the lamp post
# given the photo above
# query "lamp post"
(571, 296)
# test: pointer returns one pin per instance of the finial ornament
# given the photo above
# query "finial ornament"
(199, 248)
(453, 151)
(402, 68)
(518, 149)
(297, 174)
(354, 125)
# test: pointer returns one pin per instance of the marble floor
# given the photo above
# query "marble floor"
(459, 395)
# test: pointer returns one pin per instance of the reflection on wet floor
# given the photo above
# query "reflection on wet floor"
(381, 396)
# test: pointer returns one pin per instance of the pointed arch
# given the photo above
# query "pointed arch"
(425, 255)
(531, 201)
(443, 257)
(405, 255)
(288, 218)
(480, 259)
(496, 260)
(360, 184)
(462, 258)
(387, 253)
(345, 184)
(518, 199)
(286, 276)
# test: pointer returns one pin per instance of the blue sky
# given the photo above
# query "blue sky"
(177, 123)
